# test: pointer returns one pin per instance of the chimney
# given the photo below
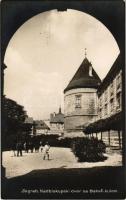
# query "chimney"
(59, 110)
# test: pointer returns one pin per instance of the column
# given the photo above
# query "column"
(119, 139)
(109, 138)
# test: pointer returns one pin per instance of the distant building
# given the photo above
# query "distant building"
(47, 122)
(29, 120)
(110, 92)
(40, 127)
(80, 97)
(29, 123)
(57, 122)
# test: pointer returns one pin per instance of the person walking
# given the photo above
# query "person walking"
(14, 148)
(19, 148)
(46, 151)
(41, 146)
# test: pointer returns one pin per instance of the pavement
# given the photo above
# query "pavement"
(59, 158)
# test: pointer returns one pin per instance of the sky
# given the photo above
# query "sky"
(46, 51)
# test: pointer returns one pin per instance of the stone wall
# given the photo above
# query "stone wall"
(72, 122)
(108, 102)
(87, 112)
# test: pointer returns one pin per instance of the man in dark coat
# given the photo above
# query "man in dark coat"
(19, 148)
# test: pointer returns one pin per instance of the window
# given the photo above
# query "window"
(111, 105)
(58, 125)
(118, 82)
(106, 110)
(78, 101)
(100, 101)
(106, 95)
(118, 103)
(111, 89)
(100, 113)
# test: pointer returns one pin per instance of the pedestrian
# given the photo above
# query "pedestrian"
(14, 148)
(41, 146)
(19, 148)
(25, 146)
(46, 151)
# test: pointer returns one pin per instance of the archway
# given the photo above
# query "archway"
(14, 14)
(110, 13)
(23, 12)
(57, 44)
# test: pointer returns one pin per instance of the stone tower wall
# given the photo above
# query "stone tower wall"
(86, 113)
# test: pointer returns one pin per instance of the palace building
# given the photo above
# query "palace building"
(108, 125)
(110, 92)
(87, 99)
(80, 97)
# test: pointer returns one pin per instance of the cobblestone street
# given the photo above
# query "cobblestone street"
(59, 158)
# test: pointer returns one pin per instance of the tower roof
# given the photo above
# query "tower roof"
(85, 77)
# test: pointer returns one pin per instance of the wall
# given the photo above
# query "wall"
(72, 122)
(76, 116)
(108, 100)
(56, 127)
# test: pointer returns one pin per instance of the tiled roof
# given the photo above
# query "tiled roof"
(29, 120)
(40, 124)
(58, 118)
(82, 79)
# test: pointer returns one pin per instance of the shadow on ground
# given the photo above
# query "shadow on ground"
(109, 178)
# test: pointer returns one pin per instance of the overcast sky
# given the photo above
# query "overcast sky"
(45, 53)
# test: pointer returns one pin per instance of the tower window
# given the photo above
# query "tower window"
(111, 105)
(106, 95)
(118, 81)
(118, 101)
(78, 101)
(111, 89)
(106, 109)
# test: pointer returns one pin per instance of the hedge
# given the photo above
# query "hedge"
(88, 150)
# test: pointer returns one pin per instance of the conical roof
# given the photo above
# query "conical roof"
(84, 78)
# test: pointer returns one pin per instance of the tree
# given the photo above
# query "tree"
(13, 117)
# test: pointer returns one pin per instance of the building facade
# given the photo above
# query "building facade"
(80, 97)
(40, 127)
(110, 92)
(57, 123)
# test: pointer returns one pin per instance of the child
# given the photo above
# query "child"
(46, 151)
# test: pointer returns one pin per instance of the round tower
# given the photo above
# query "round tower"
(80, 97)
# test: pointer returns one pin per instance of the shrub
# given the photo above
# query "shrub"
(51, 139)
(88, 150)
(67, 142)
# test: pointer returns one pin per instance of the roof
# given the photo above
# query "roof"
(113, 122)
(29, 120)
(57, 118)
(40, 124)
(82, 79)
(116, 67)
